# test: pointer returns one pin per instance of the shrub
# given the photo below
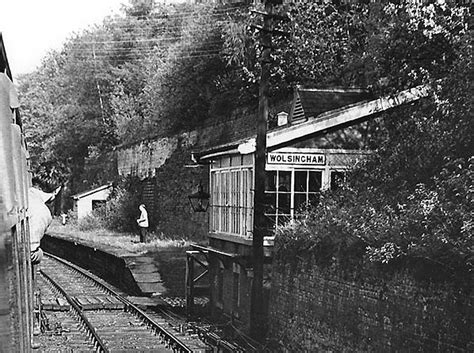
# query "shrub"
(410, 206)
(120, 211)
(427, 230)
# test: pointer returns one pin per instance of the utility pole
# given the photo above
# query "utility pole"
(257, 309)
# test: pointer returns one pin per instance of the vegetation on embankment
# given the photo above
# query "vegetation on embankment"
(386, 262)
(410, 206)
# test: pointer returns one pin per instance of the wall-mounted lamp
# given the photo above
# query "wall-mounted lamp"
(199, 200)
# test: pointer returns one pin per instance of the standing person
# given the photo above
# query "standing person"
(143, 223)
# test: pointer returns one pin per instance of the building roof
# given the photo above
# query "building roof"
(338, 117)
(310, 102)
(90, 192)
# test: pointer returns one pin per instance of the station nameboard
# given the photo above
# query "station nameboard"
(296, 158)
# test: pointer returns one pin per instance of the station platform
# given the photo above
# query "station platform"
(139, 274)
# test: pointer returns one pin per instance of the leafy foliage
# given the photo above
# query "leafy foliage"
(117, 214)
(409, 205)
(152, 71)
(191, 82)
(120, 211)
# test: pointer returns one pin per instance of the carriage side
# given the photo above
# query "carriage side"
(15, 265)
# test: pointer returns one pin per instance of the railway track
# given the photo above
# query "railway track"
(80, 312)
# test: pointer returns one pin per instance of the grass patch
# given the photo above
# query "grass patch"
(124, 241)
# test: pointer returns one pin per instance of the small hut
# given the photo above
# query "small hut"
(87, 201)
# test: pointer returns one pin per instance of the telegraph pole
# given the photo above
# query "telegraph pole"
(257, 309)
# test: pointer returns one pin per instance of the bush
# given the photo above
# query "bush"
(410, 206)
(120, 211)
(71, 217)
(117, 214)
(427, 230)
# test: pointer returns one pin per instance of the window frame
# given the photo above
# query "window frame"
(231, 211)
(293, 170)
(231, 196)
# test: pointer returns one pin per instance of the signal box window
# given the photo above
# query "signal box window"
(288, 192)
(231, 196)
(307, 185)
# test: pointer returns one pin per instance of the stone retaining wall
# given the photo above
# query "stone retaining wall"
(314, 309)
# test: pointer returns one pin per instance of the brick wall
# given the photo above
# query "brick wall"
(143, 158)
(174, 181)
(316, 309)
(168, 176)
(165, 163)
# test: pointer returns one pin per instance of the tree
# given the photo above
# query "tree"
(192, 82)
(411, 204)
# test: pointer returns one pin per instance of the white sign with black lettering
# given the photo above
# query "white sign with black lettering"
(296, 158)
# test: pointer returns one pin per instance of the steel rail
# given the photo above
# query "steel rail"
(98, 343)
(171, 340)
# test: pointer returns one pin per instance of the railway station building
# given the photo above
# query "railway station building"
(316, 137)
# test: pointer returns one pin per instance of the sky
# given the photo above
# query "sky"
(31, 28)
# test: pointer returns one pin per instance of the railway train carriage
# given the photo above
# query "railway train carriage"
(16, 288)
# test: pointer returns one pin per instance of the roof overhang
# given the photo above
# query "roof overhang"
(341, 117)
(90, 192)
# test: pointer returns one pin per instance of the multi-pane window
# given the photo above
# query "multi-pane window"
(307, 185)
(232, 197)
(289, 191)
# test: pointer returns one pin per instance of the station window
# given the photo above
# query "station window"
(232, 197)
(287, 192)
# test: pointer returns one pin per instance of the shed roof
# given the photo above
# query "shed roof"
(90, 192)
